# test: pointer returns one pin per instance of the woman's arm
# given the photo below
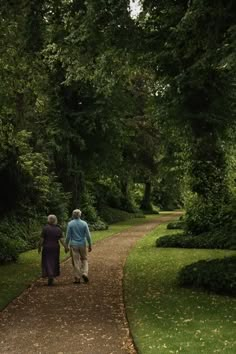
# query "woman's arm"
(40, 244)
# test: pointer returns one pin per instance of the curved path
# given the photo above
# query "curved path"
(72, 319)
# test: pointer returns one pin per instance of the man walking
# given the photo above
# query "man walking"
(77, 238)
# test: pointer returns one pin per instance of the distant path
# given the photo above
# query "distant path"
(73, 319)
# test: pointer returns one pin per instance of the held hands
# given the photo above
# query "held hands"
(89, 248)
(66, 249)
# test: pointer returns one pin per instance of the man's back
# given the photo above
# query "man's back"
(78, 232)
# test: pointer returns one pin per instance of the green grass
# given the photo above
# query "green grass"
(15, 277)
(121, 226)
(165, 318)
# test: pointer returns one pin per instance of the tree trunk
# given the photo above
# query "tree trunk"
(78, 190)
(126, 199)
(146, 202)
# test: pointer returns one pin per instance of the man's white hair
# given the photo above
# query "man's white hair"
(76, 214)
(52, 219)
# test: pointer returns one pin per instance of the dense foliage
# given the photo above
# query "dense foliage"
(100, 110)
(218, 275)
(176, 225)
(17, 237)
(193, 54)
(224, 238)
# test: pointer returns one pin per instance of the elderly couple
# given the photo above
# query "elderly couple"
(77, 238)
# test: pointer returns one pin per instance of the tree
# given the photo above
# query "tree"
(25, 168)
(195, 87)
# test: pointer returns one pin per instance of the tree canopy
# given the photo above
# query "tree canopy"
(95, 102)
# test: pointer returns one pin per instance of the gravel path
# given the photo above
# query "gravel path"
(70, 318)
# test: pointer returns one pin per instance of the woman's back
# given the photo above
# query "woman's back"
(51, 235)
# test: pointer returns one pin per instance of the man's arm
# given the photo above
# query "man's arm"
(64, 244)
(68, 235)
(89, 239)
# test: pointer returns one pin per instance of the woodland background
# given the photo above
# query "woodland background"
(116, 115)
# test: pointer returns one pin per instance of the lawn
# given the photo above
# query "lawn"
(167, 319)
(15, 277)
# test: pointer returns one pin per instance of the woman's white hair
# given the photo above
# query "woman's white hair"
(76, 214)
(52, 219)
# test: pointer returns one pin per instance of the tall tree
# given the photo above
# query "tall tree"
(195, 87)
(24, 170)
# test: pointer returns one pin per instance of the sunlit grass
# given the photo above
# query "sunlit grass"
(167, 319)
(121, 226)
(15, 277)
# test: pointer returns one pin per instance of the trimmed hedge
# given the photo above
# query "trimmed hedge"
(224, 238)
(111, 215)
(176, 225)
(218, 275)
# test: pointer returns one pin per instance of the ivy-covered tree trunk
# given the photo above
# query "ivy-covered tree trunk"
(208, 183)
(195, 87)
(126, 202)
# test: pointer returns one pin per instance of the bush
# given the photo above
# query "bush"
(153, 211)
(8, 251)
(57, 201)
(32, 239)
(98, 226)
(17, 237)
(89, 212)
(218, 275)
(203, 214)
(10, 247)
(176, 225)
(111, 215)
(200, 217)
(229, 214)
(224, 238)
(176, 240)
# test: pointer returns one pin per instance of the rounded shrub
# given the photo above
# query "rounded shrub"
(98, 225)
(176, 225)
(223, 238)
(218, 275)
(111, 215)
(10, 248)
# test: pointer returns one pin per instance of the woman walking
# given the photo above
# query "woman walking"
(50, 237)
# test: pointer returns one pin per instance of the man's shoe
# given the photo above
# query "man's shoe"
(86, 279)
(77, 281)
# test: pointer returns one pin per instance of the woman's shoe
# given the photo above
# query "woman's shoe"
(50, 281)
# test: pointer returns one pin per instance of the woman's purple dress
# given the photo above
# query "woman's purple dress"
(51, 251)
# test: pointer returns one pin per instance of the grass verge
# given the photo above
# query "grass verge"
(165, 318)
(15, 277)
